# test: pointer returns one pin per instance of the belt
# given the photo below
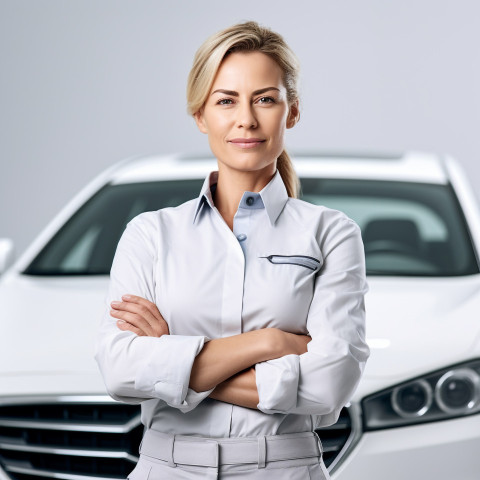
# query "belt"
(212, 452)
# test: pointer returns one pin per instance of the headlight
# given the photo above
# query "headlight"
(447, 393)
(457, 391)
(413, 399)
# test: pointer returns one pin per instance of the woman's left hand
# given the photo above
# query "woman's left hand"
(140, 316)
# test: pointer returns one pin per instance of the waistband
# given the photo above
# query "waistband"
(213, 452)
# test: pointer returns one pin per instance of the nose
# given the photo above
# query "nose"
(246, 116)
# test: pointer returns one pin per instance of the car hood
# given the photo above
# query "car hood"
(48, 325)
(418, 325)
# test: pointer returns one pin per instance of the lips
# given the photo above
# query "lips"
(246, 142)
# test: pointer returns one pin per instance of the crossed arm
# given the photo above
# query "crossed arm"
(225, 364)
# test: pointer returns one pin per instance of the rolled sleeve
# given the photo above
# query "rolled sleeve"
(277, 384)
(323, 380)
(137, 368)
(166, 374)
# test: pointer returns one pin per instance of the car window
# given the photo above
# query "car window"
(86, 244)
(410, 229)
(407, 228)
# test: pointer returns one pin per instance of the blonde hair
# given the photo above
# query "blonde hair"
(245, 37)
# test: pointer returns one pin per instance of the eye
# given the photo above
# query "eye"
(225, 101)
(266, 100)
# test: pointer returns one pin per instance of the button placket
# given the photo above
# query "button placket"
(232, 298)
(232, 293)
(241, 226)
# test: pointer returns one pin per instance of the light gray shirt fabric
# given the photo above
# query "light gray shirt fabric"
(287, 264)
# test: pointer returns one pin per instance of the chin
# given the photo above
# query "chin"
(248, 166)
(247, 161)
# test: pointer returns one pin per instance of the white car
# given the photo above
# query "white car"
(416, 411)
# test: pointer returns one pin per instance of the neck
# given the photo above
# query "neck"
(232, 184)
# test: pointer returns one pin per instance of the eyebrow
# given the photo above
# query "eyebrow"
(233, 93)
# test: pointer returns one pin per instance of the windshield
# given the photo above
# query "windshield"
(411, 229)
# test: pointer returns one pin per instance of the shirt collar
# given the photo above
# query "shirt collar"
(206, 193)
(274, 196)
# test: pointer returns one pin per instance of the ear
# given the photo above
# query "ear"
(200, 121)
(293, 114)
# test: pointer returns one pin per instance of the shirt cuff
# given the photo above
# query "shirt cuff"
(192, 399)
(277, 384)
(166, 371)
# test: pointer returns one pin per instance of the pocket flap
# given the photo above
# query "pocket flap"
(302, 260)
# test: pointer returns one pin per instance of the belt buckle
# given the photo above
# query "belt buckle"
(196, 452)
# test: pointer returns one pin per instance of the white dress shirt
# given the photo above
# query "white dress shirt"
(287, 264)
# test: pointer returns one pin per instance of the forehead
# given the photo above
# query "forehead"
(248, 70)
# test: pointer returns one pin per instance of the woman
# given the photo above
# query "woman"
(244, 327)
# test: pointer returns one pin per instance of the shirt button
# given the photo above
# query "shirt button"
(241, 237)
(250, 201)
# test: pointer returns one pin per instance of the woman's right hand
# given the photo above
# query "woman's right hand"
(140, 316)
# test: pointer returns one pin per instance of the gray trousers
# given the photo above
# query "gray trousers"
(280, 457)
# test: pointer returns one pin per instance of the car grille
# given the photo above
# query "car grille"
(336, 438)
(71, 438)
(86, 438)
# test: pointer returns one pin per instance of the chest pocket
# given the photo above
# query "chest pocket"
(305, 261)
(283, 288)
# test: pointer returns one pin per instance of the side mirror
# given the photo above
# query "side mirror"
(6, 254)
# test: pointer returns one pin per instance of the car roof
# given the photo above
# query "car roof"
(409, 166)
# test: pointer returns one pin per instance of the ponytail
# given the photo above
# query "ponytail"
(288, 174)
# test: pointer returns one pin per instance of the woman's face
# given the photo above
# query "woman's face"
(246, 113)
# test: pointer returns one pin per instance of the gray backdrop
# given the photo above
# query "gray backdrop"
(85, 83)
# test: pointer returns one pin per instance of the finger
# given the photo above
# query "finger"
(135, 308)
(152, 307)
(140, 318)
(125, 326)
(133, 319)
(144, 308)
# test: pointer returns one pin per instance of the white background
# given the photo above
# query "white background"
(85, 83)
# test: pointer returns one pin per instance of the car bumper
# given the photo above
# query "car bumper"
(441, 450)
